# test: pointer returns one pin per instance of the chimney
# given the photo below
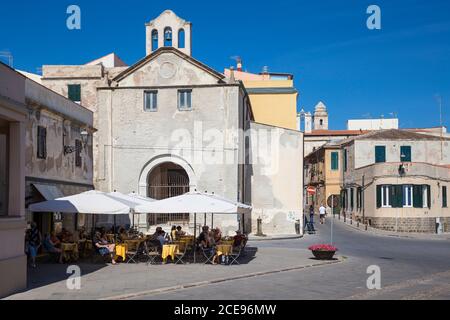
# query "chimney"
(231, 79)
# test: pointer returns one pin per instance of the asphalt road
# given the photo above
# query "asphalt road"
(409, 269)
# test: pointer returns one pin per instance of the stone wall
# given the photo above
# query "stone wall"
(416, 225)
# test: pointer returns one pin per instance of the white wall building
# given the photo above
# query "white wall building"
(169, 124)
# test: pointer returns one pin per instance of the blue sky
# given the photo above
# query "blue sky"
(357, 72)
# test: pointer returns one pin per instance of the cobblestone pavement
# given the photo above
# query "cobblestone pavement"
(277, 269)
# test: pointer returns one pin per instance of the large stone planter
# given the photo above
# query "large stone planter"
(323, 255)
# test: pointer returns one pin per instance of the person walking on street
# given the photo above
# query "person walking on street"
(311, 214)
(322, 213)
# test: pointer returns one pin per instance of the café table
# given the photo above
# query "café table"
(69, 251)
(121, 251)
(224, 249)
(169, 250)
(228, 242)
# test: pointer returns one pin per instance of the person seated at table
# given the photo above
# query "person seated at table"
(217, 235)
(103, 247)
(239, 239)
(162, 237)
(50, 246)
(66, 235)
(180, 232)
(173, 233)
(55, 240)
(82, 234)
(204, 240)
(123, 234)
(157, 232)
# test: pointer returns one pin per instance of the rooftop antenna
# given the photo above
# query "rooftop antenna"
(8, 55)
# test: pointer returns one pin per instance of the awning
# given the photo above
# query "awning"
(49, 192)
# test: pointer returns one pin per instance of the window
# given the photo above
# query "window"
(184, 100)
(320, 122)
(405, 153)
(150, 100)
(407, 196)
(168, 37)
(41, 142)
(380, 154)
(334, 160)
(74, 92)
(426, 196)
(352, 199)
(444, 196)
(181, 41)
(78, 148)
(359, 198)
(384, 196)
(154, 39)
(345, 159)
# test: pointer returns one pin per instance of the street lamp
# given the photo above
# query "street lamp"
(84, 139)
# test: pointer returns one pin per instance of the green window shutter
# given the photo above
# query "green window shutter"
(334, 160)
(74, 92)
(405, 153)
(345, 159)
(379, 196)
(380, 154)
(417, 196)
(444, 196)
(428, 196)
(396, 196)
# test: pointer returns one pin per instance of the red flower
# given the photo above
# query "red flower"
(323, 247)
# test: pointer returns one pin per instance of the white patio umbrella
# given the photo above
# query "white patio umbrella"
(90, 202)
(132, 199)
(195, 202)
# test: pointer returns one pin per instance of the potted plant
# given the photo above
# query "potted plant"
(323, 251)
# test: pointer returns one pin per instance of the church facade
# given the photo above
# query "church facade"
(169, 124)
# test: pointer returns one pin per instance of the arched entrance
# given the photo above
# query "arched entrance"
(167, 180)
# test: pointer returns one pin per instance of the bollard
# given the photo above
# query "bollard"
(259, 227)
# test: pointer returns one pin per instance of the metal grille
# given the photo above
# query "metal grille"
(167, 184)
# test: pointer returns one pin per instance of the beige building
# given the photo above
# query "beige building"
(46, 152)
(13, 119)
(397, 180)
(169, 124)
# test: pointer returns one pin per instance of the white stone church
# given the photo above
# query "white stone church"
(169, 124)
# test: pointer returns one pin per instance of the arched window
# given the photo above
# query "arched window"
(168, 37)
(181, 39)
(321, 122)
(154, 39)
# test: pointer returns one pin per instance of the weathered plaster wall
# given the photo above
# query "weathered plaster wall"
(421, 151)
(277, 181)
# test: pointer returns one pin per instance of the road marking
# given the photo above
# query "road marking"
(220, 280)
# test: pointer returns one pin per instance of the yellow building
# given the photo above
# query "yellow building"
(272, 95)
(323, 170)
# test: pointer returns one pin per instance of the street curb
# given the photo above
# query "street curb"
(269, 238)
(219, 280)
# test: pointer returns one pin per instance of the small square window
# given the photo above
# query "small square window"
(150, 100)
(184, 99)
